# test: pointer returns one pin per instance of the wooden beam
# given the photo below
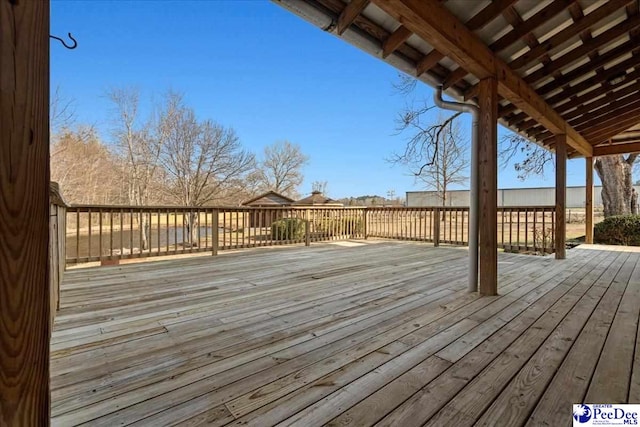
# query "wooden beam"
(429, 60)
(436, 25)
(602, 102)
(349, 14)
(573, 56)
(614, 126)
(567, 102)
(588, 204)
(488, 14)
(579, 53)
(571, 31)
(530, 24)
(593, 65)
(609, 133)
(454, 77)
(595, 80)
(608, 150)
(584, 99)
(561, 195)
(612, 114)
(488, 185)
(478, 21)
(394, 41)
(24, 213)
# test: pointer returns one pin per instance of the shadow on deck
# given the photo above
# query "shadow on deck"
(346, 333)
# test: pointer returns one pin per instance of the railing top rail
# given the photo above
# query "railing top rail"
(84, 207)
(55, 195)
(529, 207)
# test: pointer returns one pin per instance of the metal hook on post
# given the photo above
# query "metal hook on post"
(73, 46)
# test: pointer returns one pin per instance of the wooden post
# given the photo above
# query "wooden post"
(24, 213)
(561, 192)
(215, 226)
(436, 227)
(488, 185)
(364, 222)
(307, 233)
(588, 204)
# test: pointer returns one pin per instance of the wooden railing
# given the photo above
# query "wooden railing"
(427, 224)
(529, 229)
(520, 229)
(57, 243)
(111, 233)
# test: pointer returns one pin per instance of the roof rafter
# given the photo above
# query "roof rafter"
(435, 24)
(572, 56)
(569, 32)
(454, 77)
(557, 100)
(526, 27)
(488, 14)
(394, 41)
(428, 62)
(349, 14)
(620, 105)
(600, 61)
(613, 127)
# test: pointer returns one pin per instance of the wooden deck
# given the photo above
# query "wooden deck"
(360, 334)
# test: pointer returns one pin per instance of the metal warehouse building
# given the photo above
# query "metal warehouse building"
(509, 197)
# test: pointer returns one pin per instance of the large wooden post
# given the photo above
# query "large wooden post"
(24, 213)
(488, 185)
(561, 193)
(588, 203)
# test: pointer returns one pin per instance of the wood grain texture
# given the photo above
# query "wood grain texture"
(379, 333)
(561, 195)
(588, 204)
(488, 185)
(24, 213)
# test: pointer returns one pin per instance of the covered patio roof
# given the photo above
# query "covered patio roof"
(562, 66)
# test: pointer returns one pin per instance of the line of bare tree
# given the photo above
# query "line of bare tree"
(168, 156)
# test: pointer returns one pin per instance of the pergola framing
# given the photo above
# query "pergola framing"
(566, 75)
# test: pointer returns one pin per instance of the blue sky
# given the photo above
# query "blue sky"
(255, 67)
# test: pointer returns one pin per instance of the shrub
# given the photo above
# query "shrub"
(288, 229)
(340, 226)
(618, 230)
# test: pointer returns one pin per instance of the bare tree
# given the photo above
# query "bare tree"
(536, 159)
(281, 168)
(62, 113)
(139, 149)
(436, 153)
(83, 166)
(203, 160)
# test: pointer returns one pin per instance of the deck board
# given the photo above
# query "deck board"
(381, 333)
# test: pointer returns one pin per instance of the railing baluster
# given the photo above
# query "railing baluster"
(159, 229)
(89, 237)
(130, 232)
(166, 232)
(78, 234)
(100, 234)
(121, 233)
